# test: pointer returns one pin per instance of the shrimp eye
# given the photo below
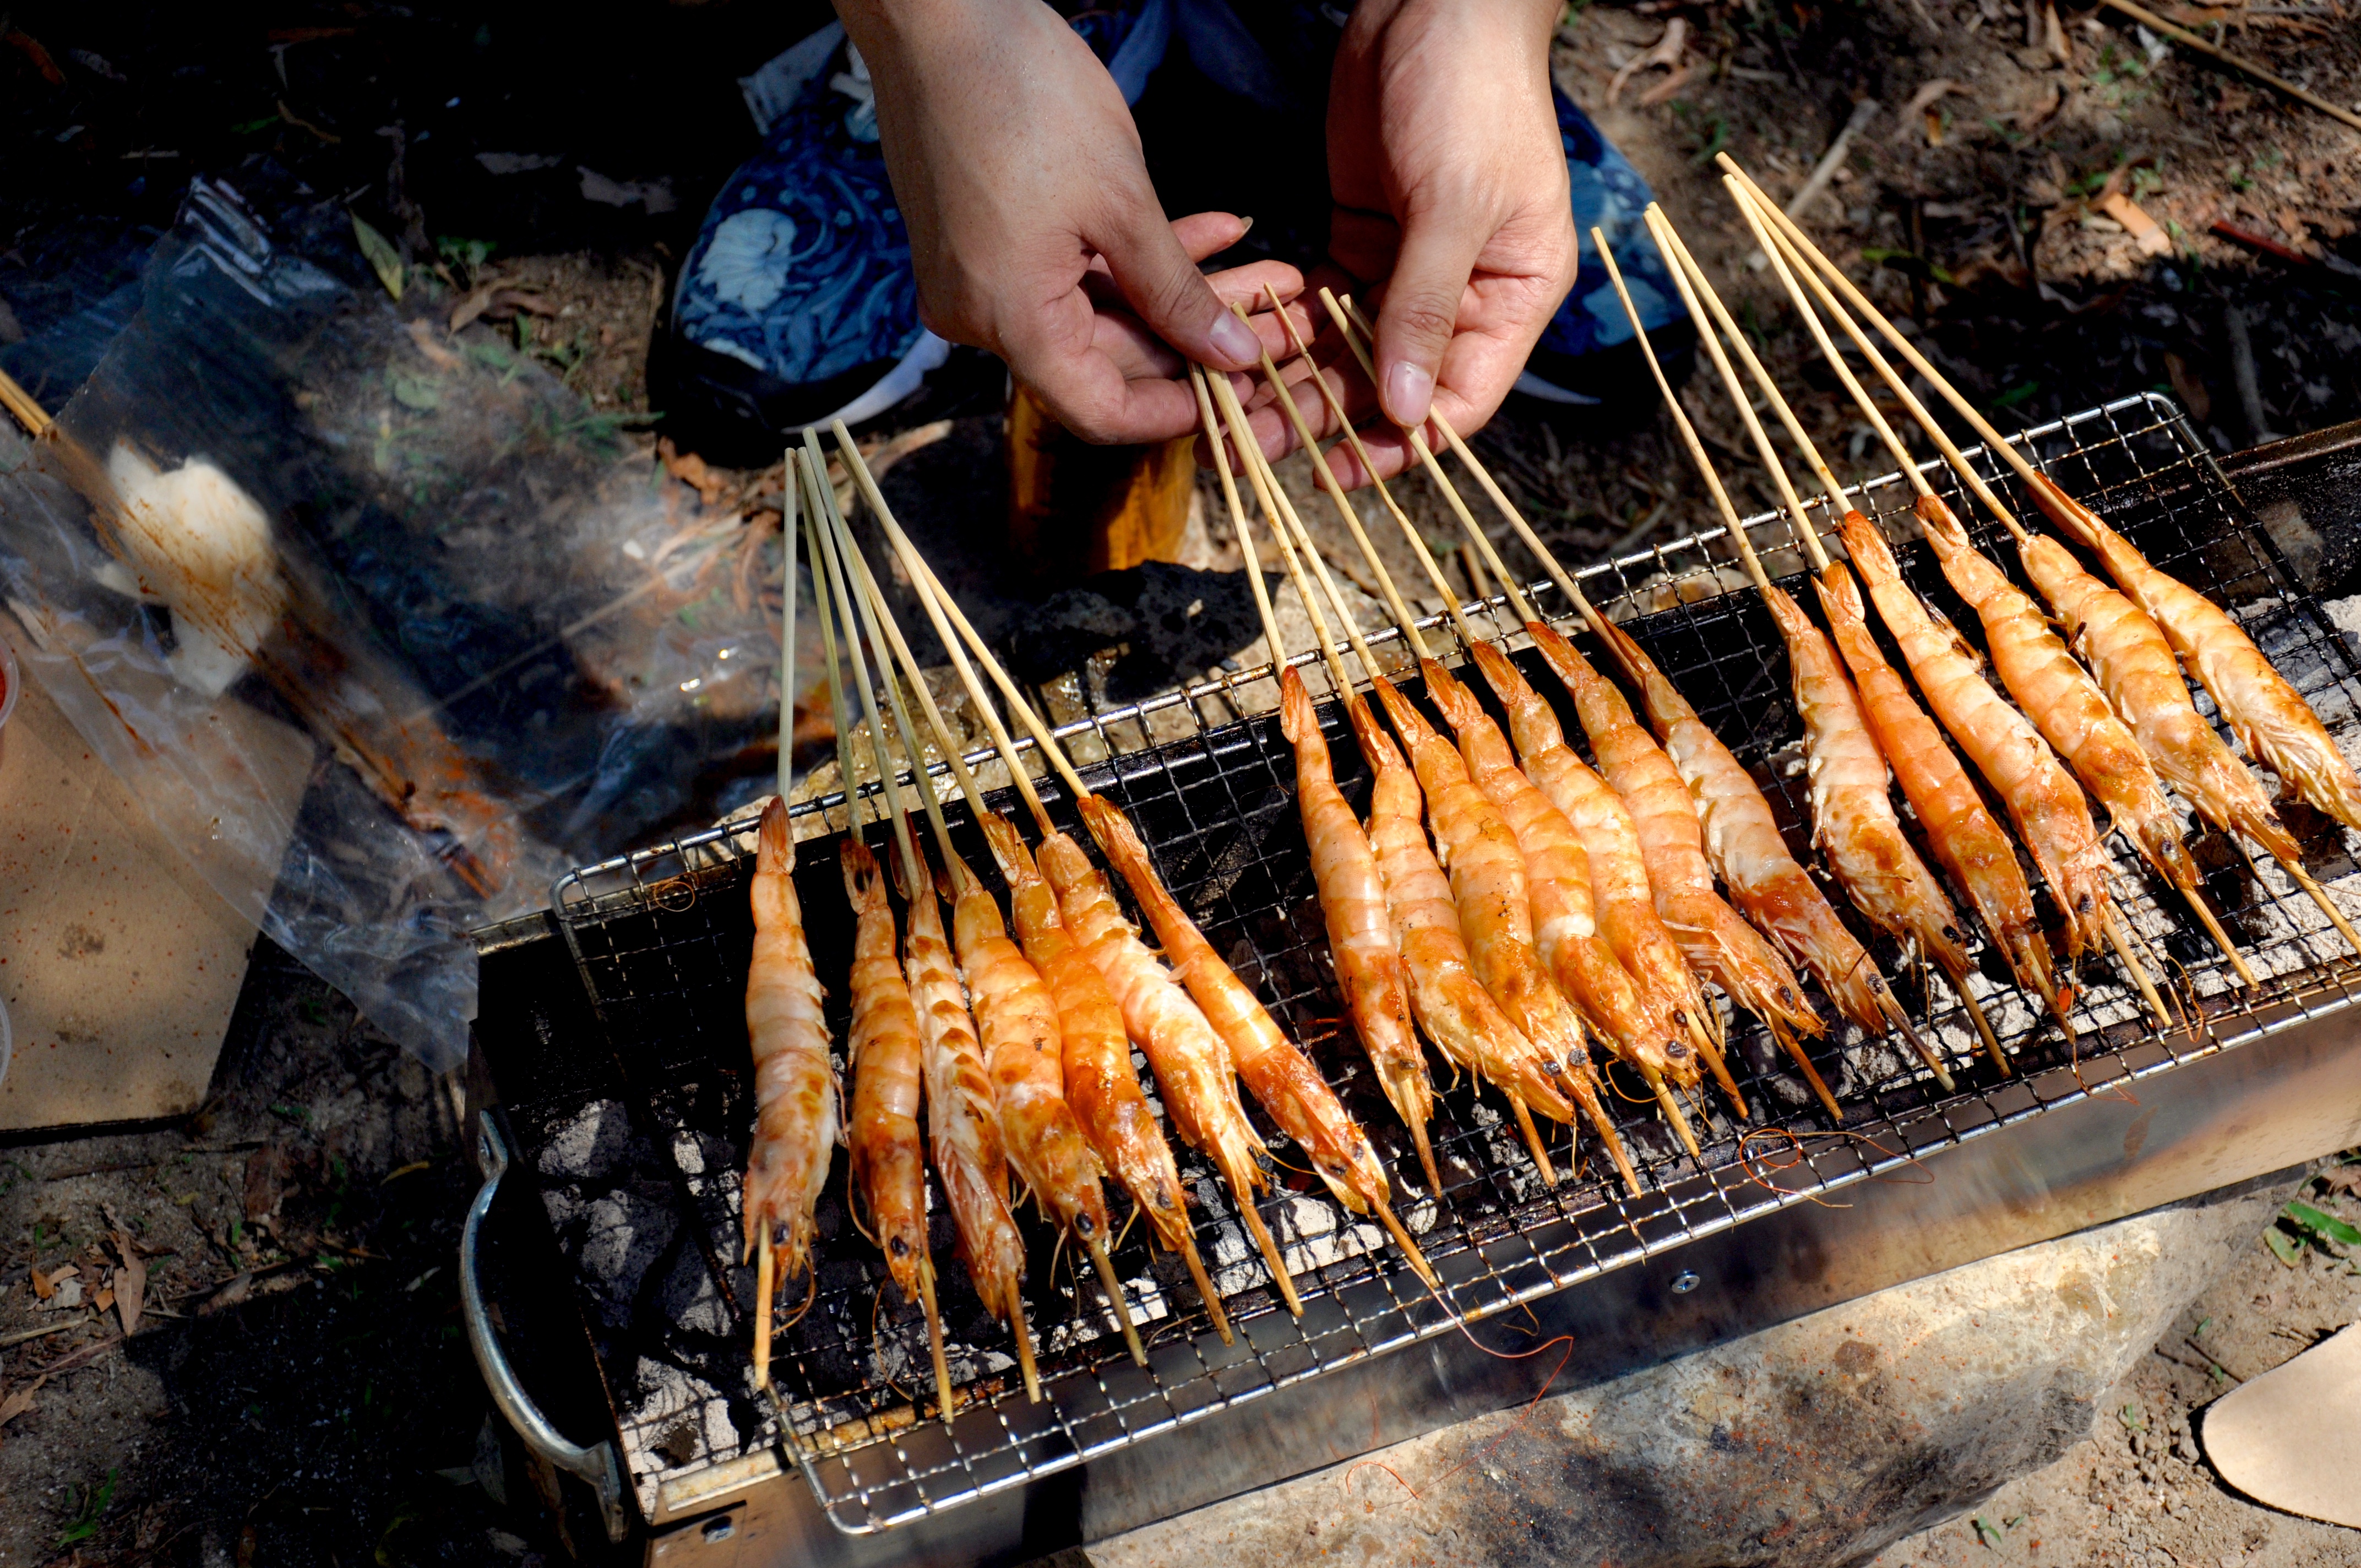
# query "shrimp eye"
(1678, 1050)
(1877, 984)
(2083, 906)
(898, 1247)
(1550, 1066)
(1787, 993)
(1950, 934)
(1082, 1224)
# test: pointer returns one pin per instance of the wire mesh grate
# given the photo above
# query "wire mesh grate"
(661, 939)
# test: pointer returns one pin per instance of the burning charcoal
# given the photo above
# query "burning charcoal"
(624, 1234)
(690, 1300)
(590, 1146)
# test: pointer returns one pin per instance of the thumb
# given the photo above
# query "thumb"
(1421, 310)
(1160, 281)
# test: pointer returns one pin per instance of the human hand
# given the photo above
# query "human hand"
(1449, 183)
(1034, 230)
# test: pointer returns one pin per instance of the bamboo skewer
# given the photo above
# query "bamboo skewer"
(1094, 1246)
(952, 626)
(765, 1266)
(1777, 246)
(841, 598)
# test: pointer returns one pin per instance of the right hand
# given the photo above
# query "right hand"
(1034, 230)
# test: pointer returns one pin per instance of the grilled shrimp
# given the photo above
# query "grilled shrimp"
(1281, 1077)
(1742, 840)
(1360, 935)
(1450, 1003)
(1024, 1049)
(2064, 703)
(2134, 663)
(799, 1112)
(1557, 873)
(1716, 941)
(2270, 715)
(2041, 796)
(1621, 900)
(1100, 1089)
(962, 1112)
(889, 1167)
(1853, 804)
(1972, 846)
(1491, 890)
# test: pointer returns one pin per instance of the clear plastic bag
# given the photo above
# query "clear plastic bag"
(385, 625)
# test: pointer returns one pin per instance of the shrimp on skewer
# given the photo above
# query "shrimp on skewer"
(1851, 788)
(1361, 942)
(1621, 899)
(2266, 713)
(2071, 713)
(1717, 942)
(1098, 1082)
(1281, 1078)
(798, 1102)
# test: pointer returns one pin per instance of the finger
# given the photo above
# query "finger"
(1209, 233)
(1136, 351)
(1159, 279)
(1056, 353)
(1420, 313)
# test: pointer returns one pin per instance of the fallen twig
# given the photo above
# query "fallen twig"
(2155, 23)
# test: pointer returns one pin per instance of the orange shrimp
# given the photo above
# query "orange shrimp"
(1491, 890)
(1557, 873)
(1360, 935)
(889, 1168)
(1281, 1077)
(2041, 796)
(1621, 900)
(2278, 726)
(1192, 1068)
(1742, 839)
(798, 1101)
(964, 1116)
(1450, 1003)
(1972, 846)
(1024, 1050)
(1716, 941)
(2062, 700)
(2134, 663)
(1101, 1087)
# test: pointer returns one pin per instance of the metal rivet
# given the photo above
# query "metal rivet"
(722, 1529)
(1686, 1281)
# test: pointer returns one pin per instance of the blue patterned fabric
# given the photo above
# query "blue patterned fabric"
(1610, 194)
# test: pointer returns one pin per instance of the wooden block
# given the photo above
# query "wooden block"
(119, 964)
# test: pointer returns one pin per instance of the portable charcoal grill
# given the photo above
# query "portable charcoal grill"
(611, 1067)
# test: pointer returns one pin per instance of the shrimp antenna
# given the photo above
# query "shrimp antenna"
(945, 614)
(838, 546)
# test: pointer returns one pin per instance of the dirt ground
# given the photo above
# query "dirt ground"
(298, 1389)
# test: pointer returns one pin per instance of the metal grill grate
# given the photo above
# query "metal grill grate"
(661, 938)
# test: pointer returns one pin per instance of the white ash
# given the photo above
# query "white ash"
(690, 1298)
(590, 1146)
(623, 1235)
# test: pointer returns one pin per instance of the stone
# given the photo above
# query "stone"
(1819, 1441)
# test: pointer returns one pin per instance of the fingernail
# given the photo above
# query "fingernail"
(1234, 341)
(1246, 227)
(1410, 393)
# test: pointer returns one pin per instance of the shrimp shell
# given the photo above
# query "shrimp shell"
(1191, 1064)
(1281, 1078)
(962, 1112)
(1557, 870)
(1621, 900)
(1450, 1003)
(2134, 663)
(1101, 1087)
(1964, 836)
(2042, 798)
(889, 1165)
(1360, 935)
(1742, 839)
(799, 1112)
(2278, 726)
(1024, 1049)
(1852, 801)
(1717, 942)
(2062, 700)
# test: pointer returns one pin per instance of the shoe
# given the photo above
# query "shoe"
(1587, 353)
(797, 305)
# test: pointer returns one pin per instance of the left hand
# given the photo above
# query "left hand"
(1450, 186)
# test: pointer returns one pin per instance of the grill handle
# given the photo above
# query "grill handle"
(595, 1465)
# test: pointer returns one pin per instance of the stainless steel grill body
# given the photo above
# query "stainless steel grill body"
(1751, 1234)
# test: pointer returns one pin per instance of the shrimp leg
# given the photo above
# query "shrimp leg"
(799, 1116)
(1099, 1085)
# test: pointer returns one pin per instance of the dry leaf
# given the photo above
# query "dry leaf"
(230, 1295)
(266, 1181)
(104, 1299)
(690, 470)
(1921, 100)
(42, 1288)
(17, 1403)
(130, 1284)
(384, 259)
(1667, 52)
(479, 300)
(2145, 232)
(2189, 388)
